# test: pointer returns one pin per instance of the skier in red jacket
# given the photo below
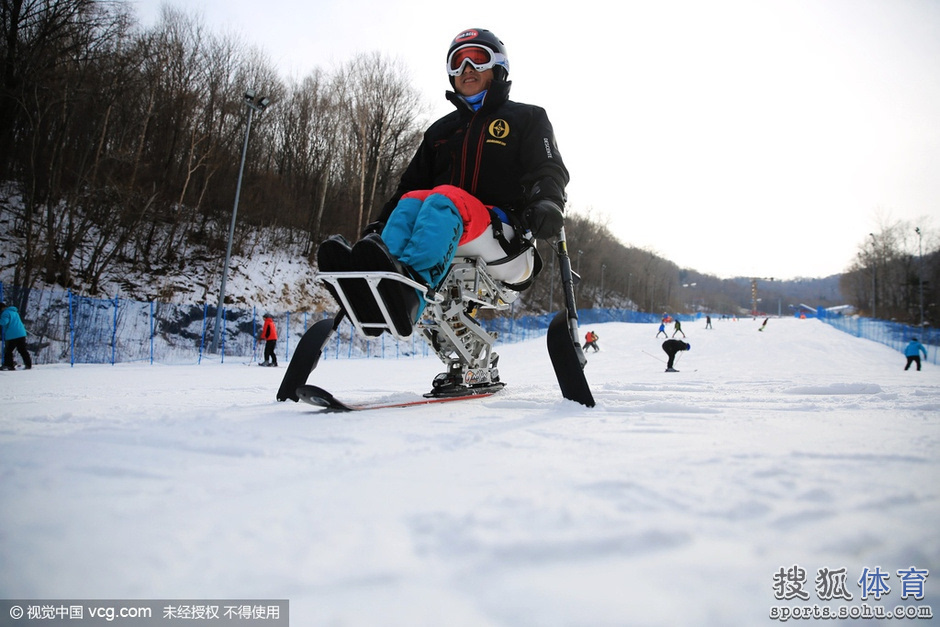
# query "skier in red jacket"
(269, 337)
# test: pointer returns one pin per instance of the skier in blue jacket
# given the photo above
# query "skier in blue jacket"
(490, 156)
(14, 337)
(912, 351)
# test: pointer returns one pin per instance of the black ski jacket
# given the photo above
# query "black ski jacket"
(674, 346)
(504, 154)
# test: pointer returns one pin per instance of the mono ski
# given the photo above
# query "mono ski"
(319, 397)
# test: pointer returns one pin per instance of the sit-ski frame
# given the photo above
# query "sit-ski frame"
(447, 325)
(452, 331)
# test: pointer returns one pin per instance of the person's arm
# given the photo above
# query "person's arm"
(545, 178)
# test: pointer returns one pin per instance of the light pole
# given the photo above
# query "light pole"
(690, 286)
(254, 103)
(920, 246)
(629, 284)
(874, 273)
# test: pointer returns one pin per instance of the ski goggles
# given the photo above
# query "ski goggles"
(480, 57)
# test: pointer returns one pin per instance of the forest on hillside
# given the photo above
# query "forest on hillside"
(123, 146)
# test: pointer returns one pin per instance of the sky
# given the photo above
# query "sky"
(762, 138)
(677, 500)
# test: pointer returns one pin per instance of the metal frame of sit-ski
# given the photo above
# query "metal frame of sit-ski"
(447, 324)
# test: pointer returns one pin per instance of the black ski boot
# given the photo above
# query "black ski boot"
(335, 255)
(371, 254)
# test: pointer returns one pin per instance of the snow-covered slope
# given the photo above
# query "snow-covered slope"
(675, 501)
(269, 270)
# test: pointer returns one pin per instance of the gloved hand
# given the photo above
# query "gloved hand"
(544, 219)
(373, 227)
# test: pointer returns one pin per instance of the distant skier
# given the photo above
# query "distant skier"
(590, 341)
(14, 334)
(764, 325)
(708, 322)
(269, 337)
(672, 347)
(678, 329)
(912, 351)
(662, 329)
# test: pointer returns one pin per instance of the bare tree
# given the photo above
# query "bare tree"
(885, 280)
(310, 132)
(383, 108)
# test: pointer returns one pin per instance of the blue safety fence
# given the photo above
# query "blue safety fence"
(893, 334)
(65, 327)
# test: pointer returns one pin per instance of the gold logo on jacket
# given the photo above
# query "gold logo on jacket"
(499, 130)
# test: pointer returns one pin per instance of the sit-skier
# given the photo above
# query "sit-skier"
(488, 172)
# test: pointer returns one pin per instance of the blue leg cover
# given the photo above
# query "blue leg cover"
(433, 243)
(398, 229)
(424, 236)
